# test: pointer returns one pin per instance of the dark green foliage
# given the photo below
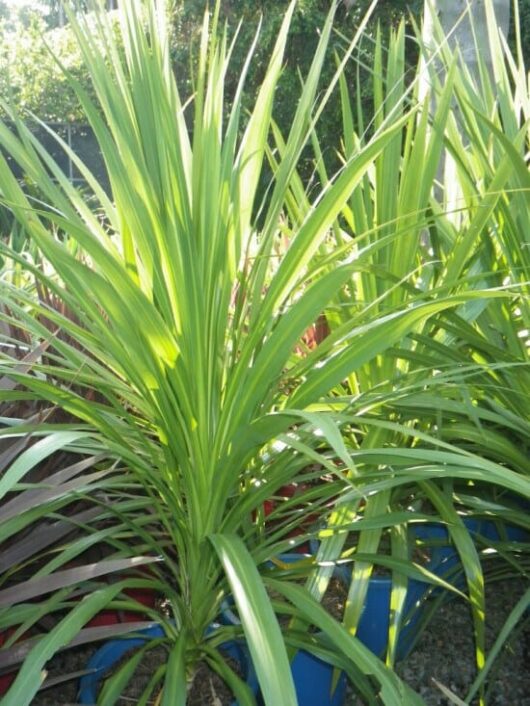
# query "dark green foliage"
(306, 26)
(524, 12)
(37, 84)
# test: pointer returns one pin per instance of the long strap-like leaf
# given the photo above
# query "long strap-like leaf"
(261, 628)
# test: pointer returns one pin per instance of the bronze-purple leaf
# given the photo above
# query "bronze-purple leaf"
(69, 577)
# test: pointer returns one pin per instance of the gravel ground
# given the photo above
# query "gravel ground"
(445, 652)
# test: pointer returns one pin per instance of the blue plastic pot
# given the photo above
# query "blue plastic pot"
(504, 532)
(445, 561)
(103, 661)
(374, 623)
(313, 681)
(313, 677)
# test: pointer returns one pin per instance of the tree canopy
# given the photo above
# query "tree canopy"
(31, 78)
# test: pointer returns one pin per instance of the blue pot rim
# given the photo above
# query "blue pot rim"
(111, 653)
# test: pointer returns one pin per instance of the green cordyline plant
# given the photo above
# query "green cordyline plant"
(460, 376)
(171, 351)
(486, 238)
(176, 353)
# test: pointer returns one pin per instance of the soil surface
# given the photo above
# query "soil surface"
(207, 688)
(335, 597)
(66, 663)
(445, 652)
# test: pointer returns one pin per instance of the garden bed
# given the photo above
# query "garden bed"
(444, 653)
